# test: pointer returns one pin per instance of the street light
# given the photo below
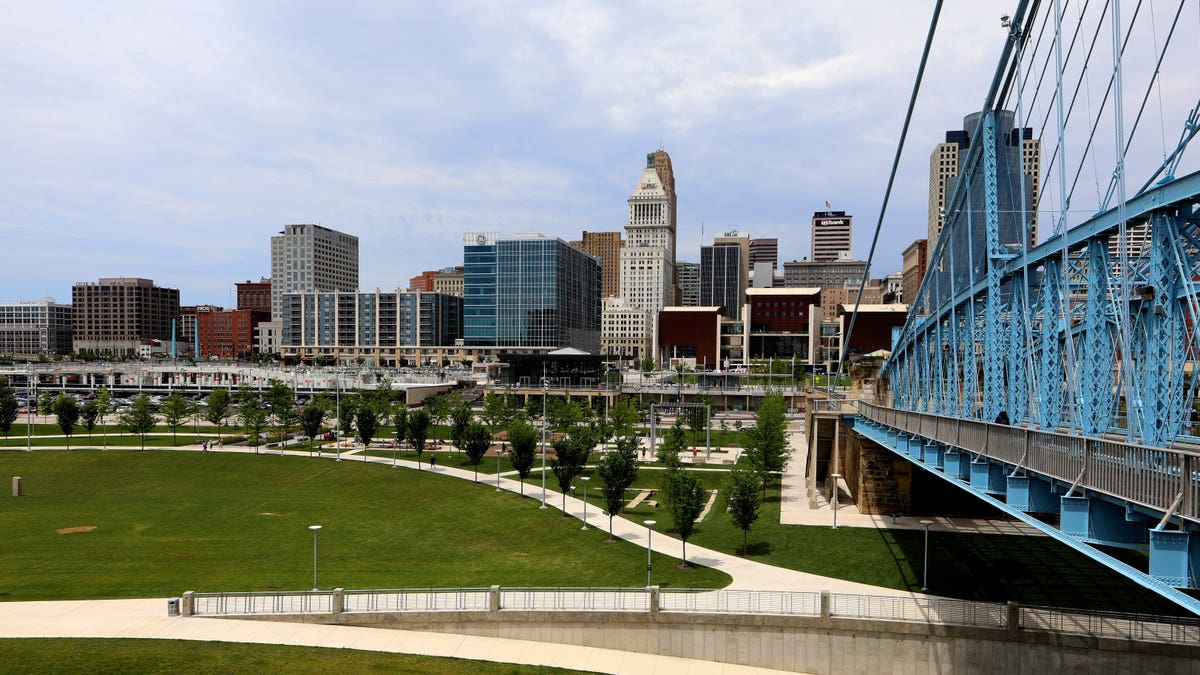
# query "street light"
(835, 477)
(498, 470)
(925, 575)
(585, 480)
(315, 529)
(545, 386)
(649, 540)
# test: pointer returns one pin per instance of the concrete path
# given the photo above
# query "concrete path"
(147, 619)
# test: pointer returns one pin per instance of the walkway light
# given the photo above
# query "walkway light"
(315, 529)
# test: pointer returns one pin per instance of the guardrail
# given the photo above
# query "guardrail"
(1152, 477)
(812, 604)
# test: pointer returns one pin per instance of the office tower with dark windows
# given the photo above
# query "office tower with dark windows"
(312, 258)
(529, 291)
(720, 279)
(118, 316)
(606, 246)
(831, 235)
(689, 283)
(36, 328)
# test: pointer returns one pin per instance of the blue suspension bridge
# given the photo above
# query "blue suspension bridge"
(1053, 376)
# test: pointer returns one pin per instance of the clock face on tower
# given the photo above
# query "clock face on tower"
(481, 240)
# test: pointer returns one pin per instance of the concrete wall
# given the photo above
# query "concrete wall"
(807, 644)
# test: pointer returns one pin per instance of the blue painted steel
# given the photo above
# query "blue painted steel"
(970, 366)
(957, 464)
(993, 343)
(1175, 557)
(1100, 522)
(988, 477)
(933, 454)
(938, 405)
(1160, 377)
(1050, 363)
(1018, 356)
(1095, 369)
(1032, 495)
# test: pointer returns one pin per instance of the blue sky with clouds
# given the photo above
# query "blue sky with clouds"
(170, 140)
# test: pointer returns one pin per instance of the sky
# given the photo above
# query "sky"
(171, 140)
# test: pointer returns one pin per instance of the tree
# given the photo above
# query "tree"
(563, 415)
(312, 416)
(495, 410)
(218, 409)
(174, 411)
(647, 365)
(766, 448)
(400, 421)
(522, 440)
(438, 406)
(88, 415)
(623, 416)
(618, 470)
(476, 440)
(460, 419)
(743, 501)
(571, 453)
(103, 403)
(9, 407)
(282, 401)
(687, 502)
(66, 408)
(418, 428)
(254, 417)
(366, 420)
(672, 444)
(348, 414)
(139, 419)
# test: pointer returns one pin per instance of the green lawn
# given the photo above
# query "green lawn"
(46, 655)
(169, 522)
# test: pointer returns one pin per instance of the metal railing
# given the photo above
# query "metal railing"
(900, 609)
(1151, 477)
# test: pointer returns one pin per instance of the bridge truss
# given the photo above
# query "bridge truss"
(1089, 330)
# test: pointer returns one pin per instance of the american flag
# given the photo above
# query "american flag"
(828, 206)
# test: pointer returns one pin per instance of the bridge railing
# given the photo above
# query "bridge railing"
(900, 609)
(1152, 477)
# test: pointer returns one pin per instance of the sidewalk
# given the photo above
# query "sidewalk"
(147, 619)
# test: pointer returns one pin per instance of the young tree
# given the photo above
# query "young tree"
(647, 365)
(88, 415)
(312, 416)
(623, 416)
(103, 403)
(66, 409)
(367, 422)
(9, 407)
(400, 421)
(438, 406)
(254, 417)
(618, 470)
(571, 453)
(563, 415)
(174, 411)
(139, 419)
(218, 409)
(766, 446)
(687, 502)
(418, 428)
(522, 440)
(743, 501)
(348, 414)
(282, 401)
(495, 410)
(672, 444)
(476, 440)
(460, 419)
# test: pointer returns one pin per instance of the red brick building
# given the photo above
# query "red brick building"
(230, 333)
(254, 295)
(423, 281)
(690, 333)
(873, 327)
(783, 323)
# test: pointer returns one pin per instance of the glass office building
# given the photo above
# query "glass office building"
(530, 291)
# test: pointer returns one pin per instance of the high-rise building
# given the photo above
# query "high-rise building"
(666, 176)
(423, 281)
(720, 278)
(117, 316)
(607, 247)
(36, 327)
(449, 281)
(831, 277)
(228, 334)
(1018, 167)
(831, 235)
(764, 250)
(742, 241)
(254, 295)
(689, 283)
(529, 291)
(381, 326)
(187, 327)
(623, 331)
(915, 262)
(648, 259)
(311, 258)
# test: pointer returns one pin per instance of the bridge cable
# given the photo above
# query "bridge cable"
(912, 102)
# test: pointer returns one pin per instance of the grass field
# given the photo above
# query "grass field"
(45, 655)
(169, 522)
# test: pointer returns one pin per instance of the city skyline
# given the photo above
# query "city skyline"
(171, 142)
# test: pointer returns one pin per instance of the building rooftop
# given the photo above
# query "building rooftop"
(813, 290)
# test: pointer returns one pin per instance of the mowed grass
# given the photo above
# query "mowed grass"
(166, 522)
(45, 655)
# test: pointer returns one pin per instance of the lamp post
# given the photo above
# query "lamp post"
(315, 529)
(545, 386)
(337, 421)
(585, 480)
(649, 541)
(31, 393)
(925, 573)
(835, 477)
(498, 469)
